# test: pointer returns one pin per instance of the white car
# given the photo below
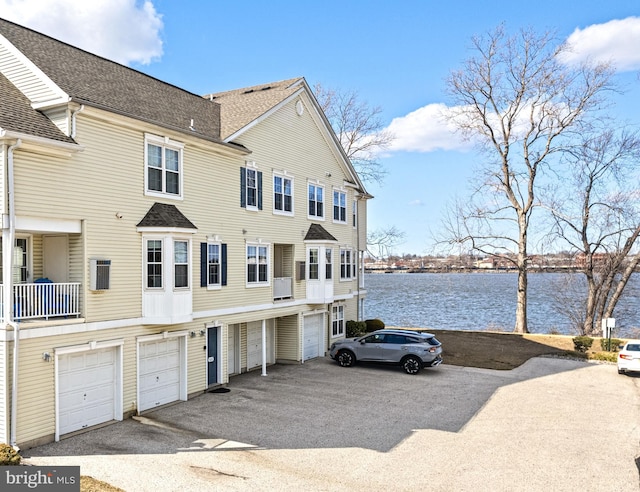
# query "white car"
(629, 357)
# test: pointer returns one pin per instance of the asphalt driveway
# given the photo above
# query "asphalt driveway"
(322, 427)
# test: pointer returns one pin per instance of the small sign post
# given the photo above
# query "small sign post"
(608, 324)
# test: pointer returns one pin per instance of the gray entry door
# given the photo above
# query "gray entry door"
(212, 355)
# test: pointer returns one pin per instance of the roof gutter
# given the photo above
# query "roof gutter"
(7, 293)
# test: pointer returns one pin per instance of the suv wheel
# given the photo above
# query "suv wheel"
(346, 358)
(411, 365)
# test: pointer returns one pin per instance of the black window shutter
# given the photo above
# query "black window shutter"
(203, 265)
(243, 187)
(223, 261)
(259, 190)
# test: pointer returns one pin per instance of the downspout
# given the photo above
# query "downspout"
(359, 314)
(73, 120)
(7, 294)
(264, 347)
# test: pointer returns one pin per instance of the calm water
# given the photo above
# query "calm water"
(476, 301)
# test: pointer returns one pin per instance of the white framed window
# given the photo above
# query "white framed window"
(257, 264)
(339, 206)
(154, 262)
(354, 213)
(314, 264)
(250, 187)
(347, 264)
(337, 321)
(163, 167)
(282, 195)
(214, 263)
(181, 264)
(167, 263)
(328, 263)
(316, 201)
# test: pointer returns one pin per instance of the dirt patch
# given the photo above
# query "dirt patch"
(495, 350)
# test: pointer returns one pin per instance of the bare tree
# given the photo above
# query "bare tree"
(384, 240)
(359, 129)
(596, 212)
(521, 105)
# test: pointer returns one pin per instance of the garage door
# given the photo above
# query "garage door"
(254, 344)
(86, 389)
(159, 378)
(313, 339)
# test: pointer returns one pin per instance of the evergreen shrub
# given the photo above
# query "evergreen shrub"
(356, 328)
(582, 343)
(615, 344)
(374, 324)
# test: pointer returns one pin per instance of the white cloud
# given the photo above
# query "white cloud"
(615, 41)
(416, 203)
(125, 31)
(424, 130)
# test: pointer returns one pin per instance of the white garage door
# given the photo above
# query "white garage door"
(254, 344)
(159, 365)
(86, 389)
(313, 339)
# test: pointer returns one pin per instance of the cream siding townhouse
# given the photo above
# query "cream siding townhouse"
(160, 241)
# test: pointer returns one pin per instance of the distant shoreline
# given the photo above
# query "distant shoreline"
(473, 270)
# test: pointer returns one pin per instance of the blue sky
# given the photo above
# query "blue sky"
(395, 54)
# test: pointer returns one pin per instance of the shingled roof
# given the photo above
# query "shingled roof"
(18, 116)
(242, 106)
(96, 81)
(318, 233)
(167, 216)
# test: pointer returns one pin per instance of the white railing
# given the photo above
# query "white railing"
(282, 287)
(44, 300)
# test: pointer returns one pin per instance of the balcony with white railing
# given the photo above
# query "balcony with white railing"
(44, 300)
(282, 288)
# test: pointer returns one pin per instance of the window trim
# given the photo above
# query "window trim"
(354, 213)
(244, 190)
(315, 264)
(342, 210)
(204, 264)
(175, 263)
(160, 263)
(167, 262)
(348, 267)
(164, 143)
(337, 320)
(283, 176)
(258, 283)
(317, 186)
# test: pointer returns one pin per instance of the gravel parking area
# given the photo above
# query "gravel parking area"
(322, 427)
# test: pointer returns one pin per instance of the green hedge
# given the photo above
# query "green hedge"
(356, 328)
(374, 324)
(582, 343)
(615, 344)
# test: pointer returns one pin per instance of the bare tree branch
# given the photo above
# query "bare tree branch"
(359, 128)
(522, 106)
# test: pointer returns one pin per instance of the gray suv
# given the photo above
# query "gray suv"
(412, 350)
